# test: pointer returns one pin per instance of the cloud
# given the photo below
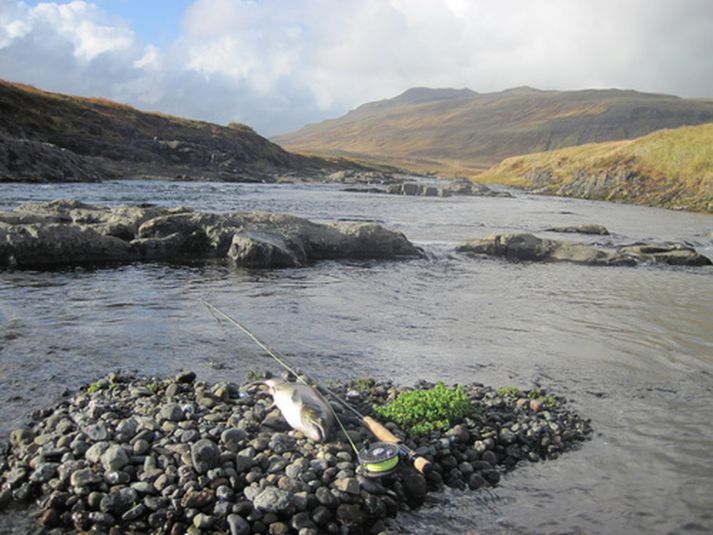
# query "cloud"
(277, 65)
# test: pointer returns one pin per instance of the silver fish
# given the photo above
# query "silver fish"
(303, 407)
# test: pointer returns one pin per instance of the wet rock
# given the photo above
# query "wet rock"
(79, 235)
(265, 250)
(94, 452)
(44, 472)
(21, 436)
(96, 432)
(326, 498)
(463, 187)
(238, 525)
(274, 500)
(204, 455)
(185, 377)
(527, 247)
(84, 477)
(171, 412)
(350, 515)
(114, 458)
(202, 521)
(197, 499)
(600, 230)
(117, 503)
(349, 485)
(459, 433)
(414, 485)
(475, 481)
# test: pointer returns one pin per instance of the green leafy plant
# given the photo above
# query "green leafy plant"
(423, 411)
(538, 394)
(154, 387)
(255, 374)
(364, 384)
(505, 391)
(550, 402)
(94, 387)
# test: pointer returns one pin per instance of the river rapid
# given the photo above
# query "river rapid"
(631, 348)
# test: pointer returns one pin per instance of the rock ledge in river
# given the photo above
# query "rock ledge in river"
(527, 247)
(70, 232)
(462, 187)
(589, 228)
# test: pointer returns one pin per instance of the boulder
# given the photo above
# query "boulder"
(57, 243)
(527, 247)
(265, 250)
(70, 232)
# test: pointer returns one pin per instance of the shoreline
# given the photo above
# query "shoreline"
(146, 454)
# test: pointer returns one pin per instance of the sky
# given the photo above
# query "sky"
(279, 64)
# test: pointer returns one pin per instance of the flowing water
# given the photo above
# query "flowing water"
(631, 348)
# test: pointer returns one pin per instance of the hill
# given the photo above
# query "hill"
(52, 137)
(669, 168)
(461, 131)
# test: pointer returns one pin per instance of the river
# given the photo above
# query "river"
(631, 348)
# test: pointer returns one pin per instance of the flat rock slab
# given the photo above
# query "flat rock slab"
(589, 228)
(72, 233)
(527, 247)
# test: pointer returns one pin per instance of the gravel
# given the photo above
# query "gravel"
(138, 454)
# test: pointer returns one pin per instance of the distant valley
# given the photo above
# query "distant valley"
(598, 144)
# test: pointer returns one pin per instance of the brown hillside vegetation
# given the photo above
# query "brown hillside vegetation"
(450, 130)
(669, 168)
(50, 136)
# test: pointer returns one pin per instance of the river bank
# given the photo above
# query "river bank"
(143, 454)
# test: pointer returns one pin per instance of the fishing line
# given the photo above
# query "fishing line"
(280, 360)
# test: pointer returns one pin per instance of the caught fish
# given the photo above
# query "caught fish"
(303, 407)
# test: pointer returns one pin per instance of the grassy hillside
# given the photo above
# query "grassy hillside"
(670, 168)
(115, 139)
(451, 130)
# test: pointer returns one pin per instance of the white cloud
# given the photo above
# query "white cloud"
(84, 25)
(277, 64)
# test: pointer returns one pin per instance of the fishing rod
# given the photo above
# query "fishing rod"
(421, 464)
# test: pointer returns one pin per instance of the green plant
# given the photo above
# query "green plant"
(255, 374)
(505, 391)
(154, 387)
(364, 384)
(550, 402)
(423, 411)
(94, 387)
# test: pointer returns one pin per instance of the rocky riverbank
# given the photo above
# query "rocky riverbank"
(131, 454)
(528, 247)
(71, 233)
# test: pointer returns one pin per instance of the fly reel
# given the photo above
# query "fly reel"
(379, 459)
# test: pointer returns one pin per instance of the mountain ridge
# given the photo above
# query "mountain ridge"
(465, 131)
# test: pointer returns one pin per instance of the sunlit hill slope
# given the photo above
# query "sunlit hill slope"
(670, 168)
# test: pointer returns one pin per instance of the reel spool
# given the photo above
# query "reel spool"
(380, 459)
